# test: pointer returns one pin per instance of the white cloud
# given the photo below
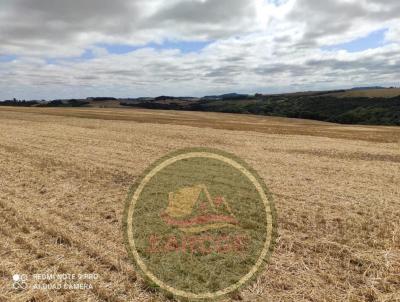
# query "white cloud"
(393, 34)
(258, 46)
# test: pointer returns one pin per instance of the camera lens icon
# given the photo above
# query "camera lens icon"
(19, 281)
(16, 278)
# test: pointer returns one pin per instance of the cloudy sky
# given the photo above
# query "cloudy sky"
(127, 48)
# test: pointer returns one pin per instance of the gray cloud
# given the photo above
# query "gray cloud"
(256, 46)
(45, 26)
(210, 11)
(210, 19)
(337, 19)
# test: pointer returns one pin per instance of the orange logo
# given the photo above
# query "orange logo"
(193, 210)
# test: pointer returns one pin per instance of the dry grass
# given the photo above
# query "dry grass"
(64, 175)
(370, 93)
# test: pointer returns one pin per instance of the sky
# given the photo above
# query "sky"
(129, 48)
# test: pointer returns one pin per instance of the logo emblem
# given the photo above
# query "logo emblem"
(199, 224)
(192, 214)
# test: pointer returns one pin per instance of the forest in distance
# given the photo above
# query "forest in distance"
(368, 106)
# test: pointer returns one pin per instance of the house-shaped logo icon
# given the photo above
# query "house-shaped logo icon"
(193, 210)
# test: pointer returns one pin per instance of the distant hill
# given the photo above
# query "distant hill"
(369, 93)
(368, 88)
(227, 96)
(371, 106)
(363, 105)
(101, 99)
(19, 103)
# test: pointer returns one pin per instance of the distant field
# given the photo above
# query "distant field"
(369, 93)
(65, 173)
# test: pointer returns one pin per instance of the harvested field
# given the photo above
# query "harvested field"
(370, 93)
(65, 173)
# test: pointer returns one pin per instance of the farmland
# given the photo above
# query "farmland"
(370, 93)
(65, 173)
